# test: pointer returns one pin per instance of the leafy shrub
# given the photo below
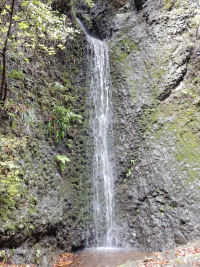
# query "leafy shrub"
(61, 121)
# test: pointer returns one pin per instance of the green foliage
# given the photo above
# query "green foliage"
(15, 74)
(3, 256)
(89, 2)
(20, 117)
(124, 48)
(162, 209)
(35, 27)
(61, 121)
(168, 4)
(130, 170)
(29, 118)
(37, 255)
(195, 21)
(31, 227)
(58, 86)
(62, 160)
(11, 174)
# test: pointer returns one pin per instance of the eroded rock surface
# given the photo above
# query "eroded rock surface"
(155, 85)
(155, 94)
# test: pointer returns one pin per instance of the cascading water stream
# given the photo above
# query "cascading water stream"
(100, 118)
(100, 122)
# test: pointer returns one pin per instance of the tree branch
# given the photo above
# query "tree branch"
(10, 25)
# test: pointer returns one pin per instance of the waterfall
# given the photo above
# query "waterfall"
(100, 121)
(101, 128)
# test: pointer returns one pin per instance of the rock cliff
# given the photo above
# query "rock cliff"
(155, 66)
(154, 56)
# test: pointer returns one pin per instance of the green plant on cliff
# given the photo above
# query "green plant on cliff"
(168, 4)
(11, 174)
(61, 120)
(62, 160)
(3, 256)
(130, 170)
(89, 2)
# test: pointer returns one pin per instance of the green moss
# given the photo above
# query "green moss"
(168, 4)
(162, 210)
(157, 72)
(180, 122)
(10, 226)
(123, 49)
(189, 148)
(11, 183)
(121, 53)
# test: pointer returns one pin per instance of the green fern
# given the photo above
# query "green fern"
(61, 121)
(62, 160)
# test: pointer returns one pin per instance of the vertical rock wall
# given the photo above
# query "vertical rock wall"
(154, 56)
(154, 52)
(156, 94)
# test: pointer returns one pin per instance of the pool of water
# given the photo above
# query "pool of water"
(107, 257)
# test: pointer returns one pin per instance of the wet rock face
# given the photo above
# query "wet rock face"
(154, 66)
(139, 4)
(99, 19)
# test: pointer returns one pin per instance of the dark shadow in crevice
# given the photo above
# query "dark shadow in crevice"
(78, 248)
(167, 93)
(139, 4)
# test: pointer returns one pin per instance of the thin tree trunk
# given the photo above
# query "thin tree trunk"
(4, 88)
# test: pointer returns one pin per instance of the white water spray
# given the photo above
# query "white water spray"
(103, 178)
